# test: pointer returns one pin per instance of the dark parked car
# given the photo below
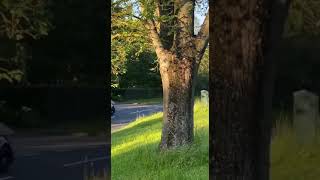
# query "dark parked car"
(6, 154)
(113, 109)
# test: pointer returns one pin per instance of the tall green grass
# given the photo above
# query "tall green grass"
(291, 160)
(135, 153)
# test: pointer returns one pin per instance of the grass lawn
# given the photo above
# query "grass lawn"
(135, 153)
(292, 161)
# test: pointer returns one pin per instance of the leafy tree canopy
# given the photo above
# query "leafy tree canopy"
(129, 33)
(21, 20)
(304, 18)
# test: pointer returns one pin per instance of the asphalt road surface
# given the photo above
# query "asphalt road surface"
(58, 158)
(129, 112)
(126, 113)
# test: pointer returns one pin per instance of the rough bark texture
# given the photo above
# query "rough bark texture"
(237, 42)
(241, 85)
(179, 52)
(178, 98)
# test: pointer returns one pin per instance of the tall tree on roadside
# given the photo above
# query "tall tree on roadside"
(169, 25)
(179, 50)
(245, 36)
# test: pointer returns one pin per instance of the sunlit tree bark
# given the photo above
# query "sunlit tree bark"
(179, 52)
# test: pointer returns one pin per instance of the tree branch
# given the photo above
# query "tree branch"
(202, 39)
(5, 19)
(137, 17)
(155, 37)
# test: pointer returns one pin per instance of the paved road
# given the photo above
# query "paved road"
(58, 158)
(129, 112)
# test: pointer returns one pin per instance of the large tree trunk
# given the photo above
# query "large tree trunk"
(178, 81)
(179, 56)
(237, 41)
(241, 81)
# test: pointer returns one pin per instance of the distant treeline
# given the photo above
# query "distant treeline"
(299, 65)
(74, 50)
(41, 106)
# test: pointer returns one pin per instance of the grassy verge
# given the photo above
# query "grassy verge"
(90, 174)
(292, 160)
(135, 153)
(149, 100)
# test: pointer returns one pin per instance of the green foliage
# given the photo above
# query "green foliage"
(204, 65)
(203, 73)
(129, 34)
(142, 71)
(128, 37)
(291, 159)
(10, 75)
(138, 142)
(74, 50)
(20, 20)
(304, 18)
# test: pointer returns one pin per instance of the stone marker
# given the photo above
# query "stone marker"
(305, 115)
(205, 96)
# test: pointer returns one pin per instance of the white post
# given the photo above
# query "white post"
(305, 115)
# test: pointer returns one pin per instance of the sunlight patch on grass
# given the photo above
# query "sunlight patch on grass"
(133, 142)
(136, 155)
(156, 116)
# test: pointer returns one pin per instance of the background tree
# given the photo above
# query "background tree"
(73, 53)
(170, 26)
(203, 74)
(128, 38)
(304, 18)
(244, 47)
(142, 71)
(20, 21)
(299, 54)
(179, 52)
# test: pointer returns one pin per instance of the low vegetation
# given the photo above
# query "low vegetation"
(290, 159)
(135, 152)
(90, 174)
